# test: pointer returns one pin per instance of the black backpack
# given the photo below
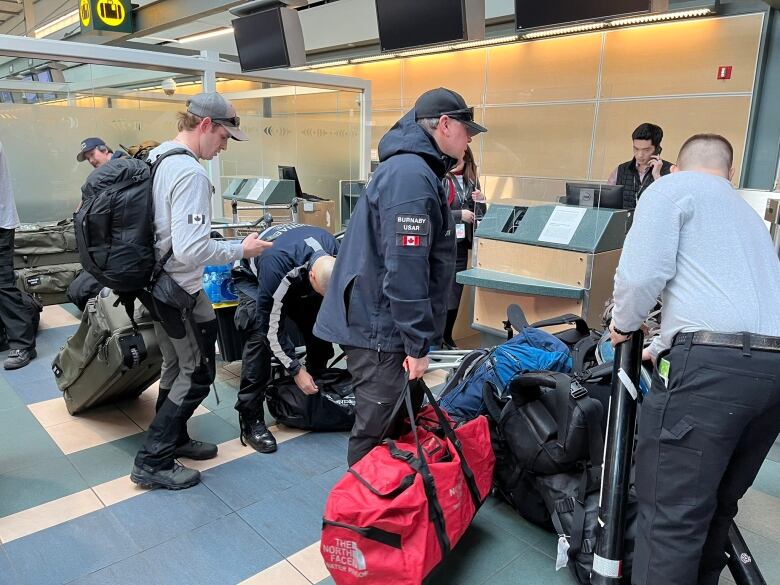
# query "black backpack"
(115, 224)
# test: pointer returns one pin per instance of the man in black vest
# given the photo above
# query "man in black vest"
(646, 166)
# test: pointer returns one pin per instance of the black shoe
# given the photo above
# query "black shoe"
(197, 450)
(448, 344)
(254, 432)
(177, 477)
(18, 358)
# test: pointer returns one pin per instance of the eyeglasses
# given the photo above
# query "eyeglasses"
(234, 121)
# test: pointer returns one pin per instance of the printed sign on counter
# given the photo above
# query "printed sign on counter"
(562, 225)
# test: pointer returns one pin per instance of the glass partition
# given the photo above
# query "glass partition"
(48, 106)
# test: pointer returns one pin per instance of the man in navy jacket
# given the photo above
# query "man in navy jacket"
(288, 283)
(387, 301)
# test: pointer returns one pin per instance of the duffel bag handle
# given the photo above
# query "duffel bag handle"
(521, 385)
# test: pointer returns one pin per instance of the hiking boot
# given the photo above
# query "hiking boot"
(18, 358)
(254, 431)
(197, 450)
(177, 477)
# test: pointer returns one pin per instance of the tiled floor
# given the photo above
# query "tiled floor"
(69, 513)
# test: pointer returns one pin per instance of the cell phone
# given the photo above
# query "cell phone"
(658, 150)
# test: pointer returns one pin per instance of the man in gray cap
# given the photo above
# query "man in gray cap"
(182, 222)
(95, 151)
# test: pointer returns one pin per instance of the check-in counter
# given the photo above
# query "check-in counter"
(549, 259)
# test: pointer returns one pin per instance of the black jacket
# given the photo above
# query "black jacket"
(283, 273)
(396, 265)
(628, 176)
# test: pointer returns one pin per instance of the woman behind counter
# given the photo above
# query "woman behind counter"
(466, 204)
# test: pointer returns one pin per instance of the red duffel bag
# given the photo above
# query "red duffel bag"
(398, 511)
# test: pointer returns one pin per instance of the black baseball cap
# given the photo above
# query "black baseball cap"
(89, 144)
(445, 102)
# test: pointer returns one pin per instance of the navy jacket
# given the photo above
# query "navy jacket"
(396, 265)
(283, 272)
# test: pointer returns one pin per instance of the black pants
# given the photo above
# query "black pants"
(256, 360)
(701, 440)
(15, 315)
(378, 380)
(187, 374)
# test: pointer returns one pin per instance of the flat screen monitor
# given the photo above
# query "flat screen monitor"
(405, 24)
(260, 40)
(533, 13)
(6, 97)
(46, 76)
(594, 195)
(289, 173)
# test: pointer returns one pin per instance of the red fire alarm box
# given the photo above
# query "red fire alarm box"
(724, 72)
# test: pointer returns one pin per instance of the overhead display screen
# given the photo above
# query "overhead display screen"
(533, 13)
(414, 23)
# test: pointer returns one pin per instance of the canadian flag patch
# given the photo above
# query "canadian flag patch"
(196, 218)
(410, 240)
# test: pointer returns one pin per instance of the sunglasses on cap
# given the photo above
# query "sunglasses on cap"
(466, 114)
(234, 121)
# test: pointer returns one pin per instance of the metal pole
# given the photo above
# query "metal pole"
(741, 563)
(618, 455)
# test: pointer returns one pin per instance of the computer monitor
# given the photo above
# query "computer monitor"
(289, 173)
(594, 195)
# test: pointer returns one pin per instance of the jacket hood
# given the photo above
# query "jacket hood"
(408, 137)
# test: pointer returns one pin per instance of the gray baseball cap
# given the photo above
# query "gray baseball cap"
(213, 105)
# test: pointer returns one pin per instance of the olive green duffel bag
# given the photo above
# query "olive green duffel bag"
(45, 244)
(48, 284)
(105, 360)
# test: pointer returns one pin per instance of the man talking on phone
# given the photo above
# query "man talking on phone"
(647, 165)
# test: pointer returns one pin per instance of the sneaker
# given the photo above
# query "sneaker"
(177, 477)
(257, 435)
(18, 358)
(197, 450)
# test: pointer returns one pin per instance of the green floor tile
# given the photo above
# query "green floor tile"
(107, 462)
(8, 398)
(530, 568)
(211, 428)
(760, 513)
(482, 550)
(228, 414)
(27, 448)
(37, 484)
(227, 391)
(502, 515)
(768, 478)
(16, 420)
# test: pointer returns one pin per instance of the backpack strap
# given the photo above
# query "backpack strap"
(579, 323)
(580, 352)
(568, 389)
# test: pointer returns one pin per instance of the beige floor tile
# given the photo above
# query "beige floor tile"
(93, 428)
(282, 573)
(309, 562)
(142, 412)
(118, 490)
(56, 316)
(50, 412)
(233, 367)
(283, 433)
(47, 515)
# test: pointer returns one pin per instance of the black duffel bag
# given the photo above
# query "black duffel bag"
(330, 409)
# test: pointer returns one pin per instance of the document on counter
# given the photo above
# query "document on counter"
(562, 224)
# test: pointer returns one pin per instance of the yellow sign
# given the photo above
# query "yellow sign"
(111, 12)
(85, 13)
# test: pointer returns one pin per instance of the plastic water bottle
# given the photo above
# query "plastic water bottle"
(210, 284)
(227, 289)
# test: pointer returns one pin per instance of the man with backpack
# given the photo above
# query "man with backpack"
(185, 322)
(387, 301)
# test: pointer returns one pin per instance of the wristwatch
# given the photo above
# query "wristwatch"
(619, 332)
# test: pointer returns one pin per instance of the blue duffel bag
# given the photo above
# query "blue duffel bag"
(530, 350)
